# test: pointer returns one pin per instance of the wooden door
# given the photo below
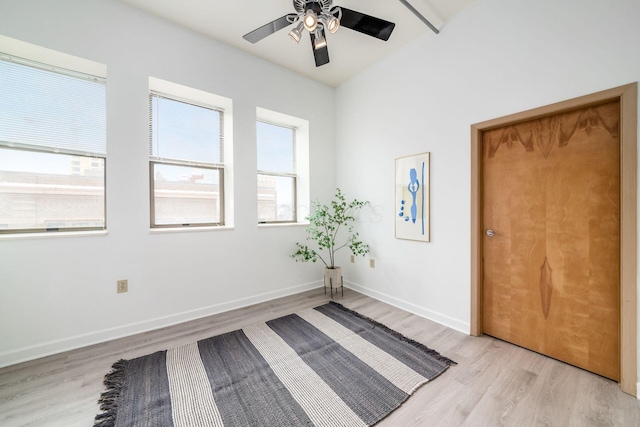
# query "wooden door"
(551, 194)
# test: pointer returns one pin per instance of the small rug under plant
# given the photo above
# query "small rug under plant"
(327, 366)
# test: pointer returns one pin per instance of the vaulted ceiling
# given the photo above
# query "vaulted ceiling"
(349, 51)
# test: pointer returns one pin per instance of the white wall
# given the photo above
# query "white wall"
(59, 293)
(496, 58)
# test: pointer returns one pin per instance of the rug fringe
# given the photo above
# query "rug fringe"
(397, 334)
(109, 399)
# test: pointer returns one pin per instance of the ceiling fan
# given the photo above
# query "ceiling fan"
(318, 16)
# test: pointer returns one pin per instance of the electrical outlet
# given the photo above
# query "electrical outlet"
(372, 263)
(353, 259)
(123, 286)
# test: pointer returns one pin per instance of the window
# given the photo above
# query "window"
(276, 173)
(282, 154)
(52, 147)
(187, 162)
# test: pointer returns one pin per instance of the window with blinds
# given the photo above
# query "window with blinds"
(186, 157)
(277, 173)
(52, 148)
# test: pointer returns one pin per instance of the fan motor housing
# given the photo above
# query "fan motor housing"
(301, 6)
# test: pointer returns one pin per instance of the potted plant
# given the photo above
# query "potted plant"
(331, 228)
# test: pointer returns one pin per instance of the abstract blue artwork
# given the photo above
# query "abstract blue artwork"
(412, 197)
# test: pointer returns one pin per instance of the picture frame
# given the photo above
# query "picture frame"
(412, 197)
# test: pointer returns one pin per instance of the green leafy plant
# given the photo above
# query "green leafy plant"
(328, 226)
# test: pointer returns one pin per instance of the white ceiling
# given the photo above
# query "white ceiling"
(349, 51)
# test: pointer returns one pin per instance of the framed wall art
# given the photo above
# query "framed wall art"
(412, 197)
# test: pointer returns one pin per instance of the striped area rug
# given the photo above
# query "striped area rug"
(327, 366)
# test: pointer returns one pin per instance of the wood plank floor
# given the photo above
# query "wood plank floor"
(494, 383)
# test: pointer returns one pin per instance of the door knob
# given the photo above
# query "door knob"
(490, 233)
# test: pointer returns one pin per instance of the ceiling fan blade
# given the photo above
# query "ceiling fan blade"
(320, 55)
(369, 25)
(268, 29)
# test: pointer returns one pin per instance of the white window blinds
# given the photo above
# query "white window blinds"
(185, 131)
(51, 108)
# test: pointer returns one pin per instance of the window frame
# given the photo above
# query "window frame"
(303, 179)
(156, 160)
(220, 170)
(50, 61)
(293, 175)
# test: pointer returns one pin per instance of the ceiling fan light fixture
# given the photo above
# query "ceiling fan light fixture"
(331, 23)
(296, 33)
(320, 18)
(310, 20)
(319, 41)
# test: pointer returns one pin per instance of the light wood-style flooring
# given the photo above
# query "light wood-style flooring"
(493, 384)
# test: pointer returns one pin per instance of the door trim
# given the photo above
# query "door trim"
(627, 95)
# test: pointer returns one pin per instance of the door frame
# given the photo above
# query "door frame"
(627, 96)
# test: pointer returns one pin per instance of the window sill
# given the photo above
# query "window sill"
(52, 234)
(284, 224)
(189, 229)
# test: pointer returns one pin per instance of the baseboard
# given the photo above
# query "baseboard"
(443, 319)
(59, 346)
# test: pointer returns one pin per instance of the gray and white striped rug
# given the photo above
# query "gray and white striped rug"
(327, 366)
